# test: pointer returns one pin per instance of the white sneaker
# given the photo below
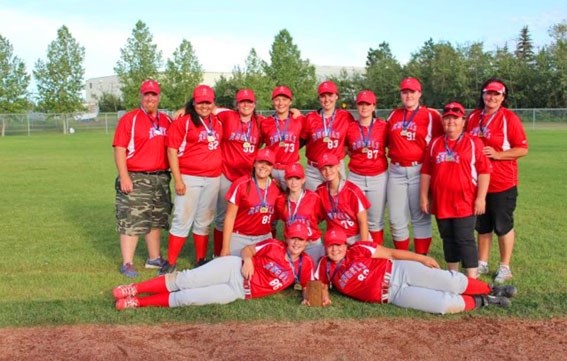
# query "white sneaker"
(504, 274)
(483, 268)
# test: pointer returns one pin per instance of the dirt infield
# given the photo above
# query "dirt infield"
(469, 338)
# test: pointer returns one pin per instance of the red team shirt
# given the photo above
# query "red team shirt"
(197, 156)
(340, 211)
(273, 272)
(372, 162)
(250, 220)
(314, 133)
(454, 167)
(409, 149)
(501, 132)
(238, 160)
(288, 152)
(308, 213)
(144, 138)
(358, 275)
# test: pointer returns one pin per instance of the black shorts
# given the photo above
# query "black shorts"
(499, 216)
(459, 244)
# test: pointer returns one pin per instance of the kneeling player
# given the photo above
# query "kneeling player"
(371, 273)
(263, 269)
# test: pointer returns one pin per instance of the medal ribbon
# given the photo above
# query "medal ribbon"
(209, 130)
(298, 274)
(154, 124)
(328, 129)
(292, 215)
(248, 131)
(405, 124)
(334, 204)
(450, 151)
(276, 119)
(262, 200)
(366, 140)
(480, 126)
(332, 277)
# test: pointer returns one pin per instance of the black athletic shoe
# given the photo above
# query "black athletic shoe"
(504, 291)
(166, 268)
(201, 262)
(499, 301)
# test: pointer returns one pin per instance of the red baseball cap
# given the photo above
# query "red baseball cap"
(245, 94)
(282, 90)
(265, 154)
(366, 96)
(203, 94)
(296, 230)
(495, 86)
(455, 109)
(149, 86)
(335, 236)
(327, 159)
(294, 170)
(327, 87)
(410, 84)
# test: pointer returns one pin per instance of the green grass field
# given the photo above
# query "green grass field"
(60, 251)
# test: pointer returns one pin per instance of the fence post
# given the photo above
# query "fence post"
(28, 119)
(533, 119)
(105, 123)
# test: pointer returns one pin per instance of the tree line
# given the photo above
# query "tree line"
(537, 78)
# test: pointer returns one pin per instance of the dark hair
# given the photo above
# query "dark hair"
(481, 99)
(190, 109)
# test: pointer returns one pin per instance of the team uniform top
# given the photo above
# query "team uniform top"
(358, 275)
(198, 148)
(255, 206)
(454, 166)
(306, 210)
(340, 211)
(273, 272)
(282, 137)
(409, 132)
(367, 146)
(144, 139)
(239, 145)
(325, 136)
(502, 131)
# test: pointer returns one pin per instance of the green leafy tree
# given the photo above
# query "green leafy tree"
(479, 67)
(506, 68)
(253, 76)
(287, 68)
(558, 51)
(60, 79)
(225, 90)
(182, 74)
(349, 85)
(139, 60)
(383, 75)
(14, 82)
(109, 102)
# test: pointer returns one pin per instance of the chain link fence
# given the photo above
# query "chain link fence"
(41, 123)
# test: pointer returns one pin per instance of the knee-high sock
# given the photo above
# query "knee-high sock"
(377, 236)
(201, 245)
(217, 242)
(174, 246)
(157, 300)
(470, 302)
(422, 245)
(402, 244)
(153, 285)
(476, 287)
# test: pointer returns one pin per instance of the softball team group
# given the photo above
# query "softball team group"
(241, 171)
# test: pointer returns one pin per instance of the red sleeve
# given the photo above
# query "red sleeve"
(123, 131)
(321, 273)
(437, 126)
(177, 132)
(516, 132)
(307, 269)
(359, 198)
(483, 165)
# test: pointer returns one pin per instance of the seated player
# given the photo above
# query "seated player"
(263, 269)
(372, 273)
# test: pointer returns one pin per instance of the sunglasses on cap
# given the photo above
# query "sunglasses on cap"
(453, 110)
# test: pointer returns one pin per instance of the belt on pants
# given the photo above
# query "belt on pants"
(406, 164)
(157, 172)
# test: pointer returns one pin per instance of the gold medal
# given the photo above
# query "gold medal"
(210, 138)
(263, 209)
(403, 133)
(326, 140)
(298, 287)
(282, 144)
(246, 145)
(481, 134)
(450, 158)
(364, 150)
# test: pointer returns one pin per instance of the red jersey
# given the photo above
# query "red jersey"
(454, 166)
(502, 131)
(144, 140)
(358, 275)
(282, 137)
(341, 210)
(198, 148)
(306, 210)
(255, 206)
(239, 145)
(273, 272)
(409, 133)
(367, 147)
(326, 135)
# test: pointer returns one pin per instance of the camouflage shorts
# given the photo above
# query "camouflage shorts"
(147, 207)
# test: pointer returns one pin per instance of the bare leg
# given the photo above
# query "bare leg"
(128, 247)
(506, 243)
(472, 272)
(484, 242)
(453, 266)
(153, 241)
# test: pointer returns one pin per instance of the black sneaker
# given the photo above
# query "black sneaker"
(504, 291)
(166, 268)
(202, 261)
(499, 301)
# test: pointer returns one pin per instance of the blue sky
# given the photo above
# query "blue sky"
(223, 32)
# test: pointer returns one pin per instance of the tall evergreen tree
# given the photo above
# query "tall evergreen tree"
(139, 60)
(524, 46)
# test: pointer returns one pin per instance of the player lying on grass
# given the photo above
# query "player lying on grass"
(263, 269)
(371, 273)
